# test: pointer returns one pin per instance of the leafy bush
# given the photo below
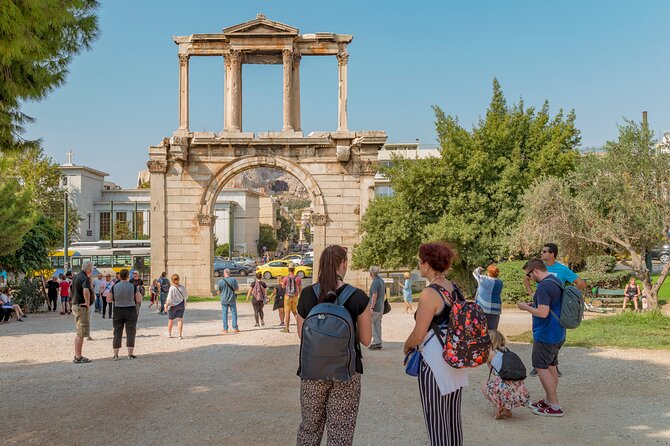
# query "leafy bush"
(615, 280)
(512, 275)
(222, 250)
(600, 264)
(28, 293)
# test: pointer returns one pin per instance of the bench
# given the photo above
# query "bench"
(605, 296)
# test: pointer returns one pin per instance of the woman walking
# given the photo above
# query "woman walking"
(258, 289)
(440, 385)
(332, 404)
(278, 298)
(176, 304)
(489, 289)
(125, 296)
(407, 293)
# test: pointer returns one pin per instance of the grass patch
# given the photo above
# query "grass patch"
(649, 330)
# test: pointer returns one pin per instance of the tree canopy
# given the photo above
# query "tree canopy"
(618, 199)
(470, 196)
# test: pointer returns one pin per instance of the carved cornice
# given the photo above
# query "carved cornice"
(156, 166)
(342, 58)
(183, 59)
(287, 56)
(370, 167)
(206, 219)
(319, 219)
(296, 59)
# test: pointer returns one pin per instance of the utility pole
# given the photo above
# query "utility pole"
(111, 224)
(66, 249)
(135, 221)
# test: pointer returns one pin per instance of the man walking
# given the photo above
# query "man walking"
(164, 287)
(564, 274)
(139, 285)
(52, 292)
(292, 288)
(548, 334)
(228, 288)
(82, 299)
(377, 296)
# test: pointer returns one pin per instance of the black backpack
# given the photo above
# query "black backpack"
(327, 346)
(165, 284)
(512, 368)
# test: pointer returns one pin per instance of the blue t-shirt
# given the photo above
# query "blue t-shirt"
(564, 274)
(378, 287)
(227, 295)
(548, 330)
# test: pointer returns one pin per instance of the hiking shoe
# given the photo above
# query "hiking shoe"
(81, 360)
(533, 372)
(548, 412)
(538, 405)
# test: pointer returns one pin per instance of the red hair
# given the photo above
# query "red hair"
(438, 255)
(493, 270)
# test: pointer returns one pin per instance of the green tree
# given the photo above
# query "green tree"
(123, 231)
(469, 196)
(266, 238)
(16, 215)
(618, 200)
(222, 250)
(36, 245)
(285, 229)
(37, 43)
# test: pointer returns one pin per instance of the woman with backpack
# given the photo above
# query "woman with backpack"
(440, 385)
(330, 387)
(258, 289)
(175, 305)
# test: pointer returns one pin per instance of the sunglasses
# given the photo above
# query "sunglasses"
(529, 273)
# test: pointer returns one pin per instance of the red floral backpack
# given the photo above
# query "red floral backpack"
(467, 340)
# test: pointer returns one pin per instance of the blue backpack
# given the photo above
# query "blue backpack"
(327, 347)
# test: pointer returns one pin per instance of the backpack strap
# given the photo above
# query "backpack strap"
(342, 298)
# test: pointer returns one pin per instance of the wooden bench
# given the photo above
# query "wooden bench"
(605, 296)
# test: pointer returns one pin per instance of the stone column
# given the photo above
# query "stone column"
(227, 97)
(296, 93)
(204, 274)
(233, 110)
(319, 222)
(342, 59)
(158, 221)
(183, 92)
(287, 58)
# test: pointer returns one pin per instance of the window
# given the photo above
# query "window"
(384, 191)
(138, 219)
(121, 216)
(105, 225)
(103, 261)
(122, 261)
(58, 262)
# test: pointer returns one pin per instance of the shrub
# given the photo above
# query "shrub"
(615, 280)
(512, 275)
(600, 264)
(28, 293)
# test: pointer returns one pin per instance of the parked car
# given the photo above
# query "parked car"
(245, 261)
(661, 253)
(294, 258)
(280, 268)
(235, 268)
(307, 259)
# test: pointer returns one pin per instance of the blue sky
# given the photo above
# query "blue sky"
(606, 59)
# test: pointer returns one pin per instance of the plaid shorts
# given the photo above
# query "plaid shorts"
(82, 321)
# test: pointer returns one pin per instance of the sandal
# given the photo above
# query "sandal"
(81, 360)
(132, 356)
(115, 358)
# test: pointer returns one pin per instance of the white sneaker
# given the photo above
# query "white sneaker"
(180, 337)
(167, 334)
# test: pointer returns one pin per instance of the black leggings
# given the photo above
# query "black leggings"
(104, 307)
(124, 316)
(53, 302)
(258, 309)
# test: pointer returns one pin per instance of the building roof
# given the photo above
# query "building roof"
(66, 168)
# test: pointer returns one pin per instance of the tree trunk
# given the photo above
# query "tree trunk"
(642, 273)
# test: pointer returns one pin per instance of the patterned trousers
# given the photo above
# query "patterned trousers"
(331, 404)
(442, 413)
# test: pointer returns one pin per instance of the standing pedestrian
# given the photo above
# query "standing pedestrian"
(164, 286)
(377, 296)
(292, 290)
(105, 288)
(329, 403)
(124, 296)
(258, 289)
(176, 305)
(96, 291)
(154, 294)
(407, 293)
(82, 299)
(139, 284)
(489, 297)
(52, 292)
(64, 288)
(548, 334)
(440, 385)
(278, 299)
(228, 288)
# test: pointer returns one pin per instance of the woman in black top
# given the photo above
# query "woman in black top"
(441, 412)
(278, 297)
(334, 403)
(258, 289)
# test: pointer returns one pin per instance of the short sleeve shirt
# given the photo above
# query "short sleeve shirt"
(355, 305)
(123, 294)
(52, 288)
(80, 283)
(227, 295)
(378, 287)
(64, 288)
(548, 330)
(298, 282)
(96, 286)
(562, 272)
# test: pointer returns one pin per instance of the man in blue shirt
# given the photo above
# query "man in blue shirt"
(377, 296)
(548, 334)
(228, 288)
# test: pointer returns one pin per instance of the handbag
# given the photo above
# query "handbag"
(387, 306)
(413, 362)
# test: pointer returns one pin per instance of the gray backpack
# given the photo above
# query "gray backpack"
(572, 307)
(327, 346)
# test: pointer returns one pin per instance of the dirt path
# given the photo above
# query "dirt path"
(242, 389)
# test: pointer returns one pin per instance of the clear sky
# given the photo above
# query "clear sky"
(607, 59)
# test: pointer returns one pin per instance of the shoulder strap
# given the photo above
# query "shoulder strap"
(229, 285)
(317, 289)
(345, 294)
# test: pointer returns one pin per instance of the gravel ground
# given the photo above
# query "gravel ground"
(242, 389)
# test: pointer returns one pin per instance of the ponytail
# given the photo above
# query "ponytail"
(331, 258)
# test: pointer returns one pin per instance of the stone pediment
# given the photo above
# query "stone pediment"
(260, 26)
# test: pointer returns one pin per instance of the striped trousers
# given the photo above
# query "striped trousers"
(442, 413)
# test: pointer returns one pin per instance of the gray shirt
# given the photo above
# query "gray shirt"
(123, 294)
(378, 287)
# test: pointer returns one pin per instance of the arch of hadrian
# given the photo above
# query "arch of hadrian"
(189, 169)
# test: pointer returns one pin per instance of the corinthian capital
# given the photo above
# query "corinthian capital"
(183, 59)
(287, 56)
(235, 55)
(342, 58)
(156, 166)
(296, 59)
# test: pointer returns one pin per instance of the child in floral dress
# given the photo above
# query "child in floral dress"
(505, 395)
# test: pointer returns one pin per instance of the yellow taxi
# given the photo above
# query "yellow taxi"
(280, 268)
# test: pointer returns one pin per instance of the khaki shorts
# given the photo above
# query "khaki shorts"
(291, 304)
(82, 321)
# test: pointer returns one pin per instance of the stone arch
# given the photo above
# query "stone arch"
(244, 163)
